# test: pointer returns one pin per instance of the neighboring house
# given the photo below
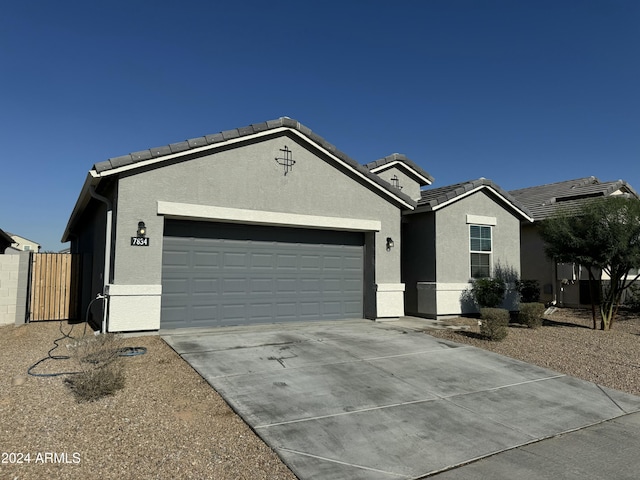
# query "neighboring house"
(24, 244)
(253, 225)
(458, 233)
(5, 241)
(567, 284)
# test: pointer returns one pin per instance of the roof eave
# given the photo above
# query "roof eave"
(92, 179)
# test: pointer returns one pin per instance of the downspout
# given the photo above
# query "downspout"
(107, 251)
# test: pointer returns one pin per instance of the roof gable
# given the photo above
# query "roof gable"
(405, 164)
(436, 198)
(226, 139)
(159, 154)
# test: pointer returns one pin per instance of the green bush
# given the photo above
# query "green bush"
(531, 314)
(494, 323)
(529, 291)
(488, 292)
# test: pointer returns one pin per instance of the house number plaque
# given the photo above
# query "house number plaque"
(139, 241)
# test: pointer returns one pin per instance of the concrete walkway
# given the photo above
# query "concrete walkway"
(363, 400)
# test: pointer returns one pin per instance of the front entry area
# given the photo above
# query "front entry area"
(221, 274)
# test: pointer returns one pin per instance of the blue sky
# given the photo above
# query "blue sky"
(521, 92)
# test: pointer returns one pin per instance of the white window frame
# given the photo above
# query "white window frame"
(489, 252)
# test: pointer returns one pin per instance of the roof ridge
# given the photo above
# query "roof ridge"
(580, 181)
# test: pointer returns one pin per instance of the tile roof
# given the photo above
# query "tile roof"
(162, 151)
(434, 197)
(544, 200)
(399, 157)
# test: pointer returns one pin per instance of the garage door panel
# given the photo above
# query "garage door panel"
(202, 259)
(243, 275)
(204, 285)
(234, 286)
(261, 286)
(351, 286)
(235, 260)
(352, 309)
(171, 258)
(261, 261)
(287, 261)
(332, 308)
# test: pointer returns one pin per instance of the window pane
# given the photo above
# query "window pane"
(480, 265)
(479, 238)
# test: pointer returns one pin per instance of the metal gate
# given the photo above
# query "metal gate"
(54, 286)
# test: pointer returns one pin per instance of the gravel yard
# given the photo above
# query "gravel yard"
(166, 423)
(169, 423)
(566, 343)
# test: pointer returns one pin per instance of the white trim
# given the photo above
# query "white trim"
(411, 170)
(390, 287)
(261, 217)
(481, 220)
(113, 289)
(466, 194)
(232, 141)
(183, 153)
(481, 252)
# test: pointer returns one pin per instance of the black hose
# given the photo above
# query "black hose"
(123, 352)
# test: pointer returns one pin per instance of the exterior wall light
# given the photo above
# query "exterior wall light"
(142, 229)
(389, 243)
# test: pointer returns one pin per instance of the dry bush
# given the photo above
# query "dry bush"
(100, 370)
(495, 323)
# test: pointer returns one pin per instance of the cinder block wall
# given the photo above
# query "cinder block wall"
(14, 272)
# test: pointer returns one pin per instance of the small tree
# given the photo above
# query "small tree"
(603, 235)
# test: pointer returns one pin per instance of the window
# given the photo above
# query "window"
(480, 247)
(27, 247)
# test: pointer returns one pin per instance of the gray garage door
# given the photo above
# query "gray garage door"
(216, 274)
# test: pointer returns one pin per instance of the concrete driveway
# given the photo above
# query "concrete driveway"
(357, 399)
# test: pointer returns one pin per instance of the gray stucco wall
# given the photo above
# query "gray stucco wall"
(409, 185)
(247, 177)
(452, 237)
(436, 259)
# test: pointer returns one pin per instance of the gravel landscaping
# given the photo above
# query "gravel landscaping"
(567, 344)
(167, 422)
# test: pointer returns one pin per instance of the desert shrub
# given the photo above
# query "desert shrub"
(494, 323)
(529, 290)
(100, 371)
(531, 314)
(633, 297)
(488, 292)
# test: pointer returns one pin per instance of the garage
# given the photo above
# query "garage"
(220, 274)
